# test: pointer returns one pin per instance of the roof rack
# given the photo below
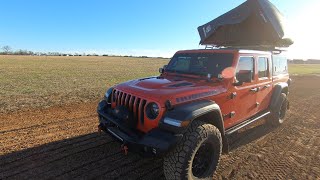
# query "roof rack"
(276, 50)
(209, 47)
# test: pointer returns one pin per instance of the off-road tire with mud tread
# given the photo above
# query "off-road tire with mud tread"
(178, 163)
(277, 116)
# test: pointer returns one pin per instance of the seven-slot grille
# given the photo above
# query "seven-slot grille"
(134, 104)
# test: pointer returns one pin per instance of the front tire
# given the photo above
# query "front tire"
(197, 155)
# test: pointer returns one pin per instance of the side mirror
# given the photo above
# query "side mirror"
(243, 76)
(228, 73)
(161, 70)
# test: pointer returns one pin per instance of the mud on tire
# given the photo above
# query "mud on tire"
(197, 155)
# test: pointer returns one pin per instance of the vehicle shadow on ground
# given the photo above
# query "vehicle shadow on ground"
(93, 156)
(88, 156)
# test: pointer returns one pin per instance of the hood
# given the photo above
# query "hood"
(161, 89)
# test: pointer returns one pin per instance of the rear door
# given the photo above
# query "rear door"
(264, 82)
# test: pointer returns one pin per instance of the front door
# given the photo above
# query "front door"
(245, 101)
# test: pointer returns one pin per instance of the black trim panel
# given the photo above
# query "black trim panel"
(246, 123)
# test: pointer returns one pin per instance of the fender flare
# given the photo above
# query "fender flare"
(192, 111)
(278, 89)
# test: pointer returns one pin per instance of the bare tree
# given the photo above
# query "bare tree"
(6, 49)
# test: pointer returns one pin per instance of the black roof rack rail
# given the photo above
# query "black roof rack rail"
(275, 50)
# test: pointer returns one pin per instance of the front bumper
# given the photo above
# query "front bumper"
(154, 143)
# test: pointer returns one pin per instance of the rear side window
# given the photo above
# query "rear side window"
(245, 64)
(263, 67)
(280, 64)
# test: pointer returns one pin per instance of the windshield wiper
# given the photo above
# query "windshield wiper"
(198, 73)
(185, 73)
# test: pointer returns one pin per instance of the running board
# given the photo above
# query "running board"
(245, 123)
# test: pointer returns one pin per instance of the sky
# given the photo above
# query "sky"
(136, 27)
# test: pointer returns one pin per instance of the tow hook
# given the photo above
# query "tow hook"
(124, 148)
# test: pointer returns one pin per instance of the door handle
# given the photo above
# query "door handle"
(254, 89)
(266, 86)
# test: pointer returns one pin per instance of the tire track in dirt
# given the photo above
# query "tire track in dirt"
(147, 165)
(33, 154)
(38, 156)
(46, 134)
(154, 173)
(104, 169)
(32, 117)
(44, 124)
(52, 160)
(78, 160)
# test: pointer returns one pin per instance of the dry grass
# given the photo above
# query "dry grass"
(40, 82)
(304, 69)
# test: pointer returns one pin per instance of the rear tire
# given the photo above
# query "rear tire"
(197, 155)
(278, 116)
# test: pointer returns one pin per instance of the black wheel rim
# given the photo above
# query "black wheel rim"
(203, 160)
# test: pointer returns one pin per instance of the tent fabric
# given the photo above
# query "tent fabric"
(253, 23)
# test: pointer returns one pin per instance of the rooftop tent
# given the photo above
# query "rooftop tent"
(253, 23)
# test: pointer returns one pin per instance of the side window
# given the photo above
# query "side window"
(280, 64)
(263, 67)
(245, 65)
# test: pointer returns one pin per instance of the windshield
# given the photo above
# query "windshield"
(200, 64)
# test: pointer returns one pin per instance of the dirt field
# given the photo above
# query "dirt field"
(61, 142)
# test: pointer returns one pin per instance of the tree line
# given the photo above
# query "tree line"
(7, 50)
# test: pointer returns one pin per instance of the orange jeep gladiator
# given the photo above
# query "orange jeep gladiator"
(200, 97)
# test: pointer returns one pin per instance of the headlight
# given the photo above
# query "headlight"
(152, 110)
(107, 95)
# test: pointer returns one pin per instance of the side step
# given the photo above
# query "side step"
(245, 123)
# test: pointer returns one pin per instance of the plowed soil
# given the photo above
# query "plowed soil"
(62, 143)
